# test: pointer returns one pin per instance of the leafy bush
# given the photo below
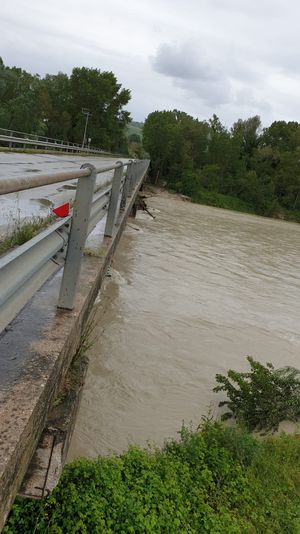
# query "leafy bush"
(212, 480)
(263, 397)
(192, 485)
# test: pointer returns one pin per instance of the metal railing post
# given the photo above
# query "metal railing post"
(78, 234)
(132, 174)
(114, 200)
(129, 179)
(137, 173)
(126, 186)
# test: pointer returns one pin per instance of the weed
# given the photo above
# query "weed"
(23, 231)
(74, 374)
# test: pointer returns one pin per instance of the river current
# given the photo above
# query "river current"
(190, 294)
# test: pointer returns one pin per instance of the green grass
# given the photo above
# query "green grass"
(211, 198)
(215, 480)
(23, 231)
(290, 215)
(219, 200)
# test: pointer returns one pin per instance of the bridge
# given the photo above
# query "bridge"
(47, 289)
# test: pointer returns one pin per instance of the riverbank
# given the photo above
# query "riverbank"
(227, 286)
(213, 480)
(228, 202)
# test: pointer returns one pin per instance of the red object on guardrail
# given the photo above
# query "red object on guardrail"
(63, 210)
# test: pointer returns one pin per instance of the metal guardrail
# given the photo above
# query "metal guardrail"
(25, 269)
(13, 137)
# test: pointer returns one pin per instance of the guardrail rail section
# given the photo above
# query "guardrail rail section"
(14, 138)
(24, 269)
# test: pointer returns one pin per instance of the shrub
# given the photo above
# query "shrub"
(191, 485)
(214, 480)
(262, 398)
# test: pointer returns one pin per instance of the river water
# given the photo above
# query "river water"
(191, 293)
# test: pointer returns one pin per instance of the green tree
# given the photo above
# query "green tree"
(176, 143)
(247, 133)
(53, 105)
(55, 102)
(103, 96)
(281, 135)
(19, 99)
(158, 140)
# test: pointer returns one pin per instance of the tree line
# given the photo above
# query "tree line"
(245, 167)
(52, 105)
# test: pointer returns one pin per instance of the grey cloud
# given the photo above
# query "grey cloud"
(227, 80)
(191, 71)
(214, 93)
(184, 62)
(234, 57)
(247, 99)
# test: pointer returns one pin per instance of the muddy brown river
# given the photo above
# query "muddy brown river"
(191, 293)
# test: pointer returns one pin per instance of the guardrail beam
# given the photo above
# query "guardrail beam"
(24, 270)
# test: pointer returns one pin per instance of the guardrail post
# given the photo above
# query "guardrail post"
(126, 186)
(137, 173)
(131, 178)
(114, 200)
(77, 238)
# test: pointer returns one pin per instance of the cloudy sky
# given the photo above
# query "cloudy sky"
(235, 58)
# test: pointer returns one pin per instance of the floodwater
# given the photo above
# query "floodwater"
(191, 293)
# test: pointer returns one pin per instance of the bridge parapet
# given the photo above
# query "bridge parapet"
(37, 346)
(24, 270)
(14, 138)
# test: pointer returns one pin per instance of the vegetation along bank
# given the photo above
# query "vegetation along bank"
(245, 168)
(212, 479)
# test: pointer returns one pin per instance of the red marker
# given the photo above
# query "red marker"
(63, 210)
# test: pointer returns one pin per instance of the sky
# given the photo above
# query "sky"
(234, 58)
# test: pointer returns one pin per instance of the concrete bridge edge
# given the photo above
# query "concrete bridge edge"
(24, 409)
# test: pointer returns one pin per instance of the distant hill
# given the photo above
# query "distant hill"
(134, 128)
